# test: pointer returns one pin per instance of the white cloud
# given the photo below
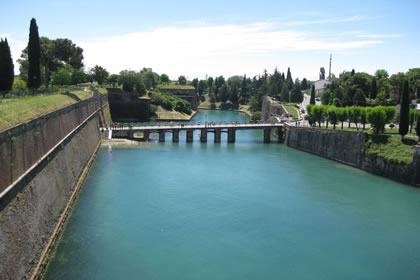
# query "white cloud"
(379, 36)
(16, 47)
(324, 21)
(214, 50)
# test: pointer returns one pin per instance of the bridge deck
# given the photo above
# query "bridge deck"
(204, 126)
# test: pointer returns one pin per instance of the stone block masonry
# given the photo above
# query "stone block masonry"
(347, 147)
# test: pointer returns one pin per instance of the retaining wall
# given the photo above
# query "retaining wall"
(347, 147)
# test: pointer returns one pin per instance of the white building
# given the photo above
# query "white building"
(320, 86)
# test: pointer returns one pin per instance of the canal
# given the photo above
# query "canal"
(236, 211)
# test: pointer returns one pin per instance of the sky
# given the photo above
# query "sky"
(212, 38)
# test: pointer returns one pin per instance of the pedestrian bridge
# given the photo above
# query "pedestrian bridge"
(132, 132)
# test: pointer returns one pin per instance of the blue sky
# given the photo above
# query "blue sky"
(195, 38)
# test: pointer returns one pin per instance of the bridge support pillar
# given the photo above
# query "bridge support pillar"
(280, 134)
(267, 135)
(190, 135)
(145, 135)
(231, 135)
(175, 135)
(162, 136)
(203, 136)
(217, 135)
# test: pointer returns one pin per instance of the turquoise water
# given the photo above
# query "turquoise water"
(237, 211)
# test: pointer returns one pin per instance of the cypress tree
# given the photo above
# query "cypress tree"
(6, 67)
(418, 129)
(289, 79)
(312, 101)
(404, 111)
(373, 89)
(34, 54)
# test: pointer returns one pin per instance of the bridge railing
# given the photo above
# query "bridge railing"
(117, 126)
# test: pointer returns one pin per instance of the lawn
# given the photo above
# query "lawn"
(292, 110)
(391, 148)
(14, 111)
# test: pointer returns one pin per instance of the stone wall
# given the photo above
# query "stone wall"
(29, 213)
(271, 108)
(23, 145)
(347, 147)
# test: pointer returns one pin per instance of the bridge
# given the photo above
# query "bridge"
(131, 132)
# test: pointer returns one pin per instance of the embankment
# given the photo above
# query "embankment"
(59, 146)
(348, 147)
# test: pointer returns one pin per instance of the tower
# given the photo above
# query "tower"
(329, 75)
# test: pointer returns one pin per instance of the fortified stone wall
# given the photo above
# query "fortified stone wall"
(270, 108)
(29, 215)
(347, 147)
(22, 146)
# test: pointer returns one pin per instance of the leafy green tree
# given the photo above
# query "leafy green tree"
(164, 79)
(413, 76)
(318, 114)
(113, 79)
(304, 84)
(235, 81)
(6, 68)
(284, 95)
(224, 94)
(381, 98)
(326, 97)
(337, 102)
(397, 85)
(234, 97)
(297, 95)
(376, 117)
(128, 79)
(390, 113)
(182, 80)
(404, 111)
(332, 115)
(312, 101)
(363, 116)
(373, 89)
(355, 115)
(243, 95)
(414, 115)
(341, 115)
(194, 83)
(256, 116)
(99, 74)
(359, 98)
(63, 76)
(34, 56)
(381, 74)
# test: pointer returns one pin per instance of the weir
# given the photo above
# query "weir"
(128, 132)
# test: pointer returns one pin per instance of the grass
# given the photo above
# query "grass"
(163, 114)
(175, 87)
(390, 148)
(292, 110)
(206, 104)
(14, 111)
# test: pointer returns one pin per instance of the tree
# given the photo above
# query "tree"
(210, 84)
(373, 89)
(297, 95)
(234, 97)
(363, 116)
(404, 111)
(342, 115)
(376, 117)
(99, 74)
(34, 56)
(322, 73)
(284, 95)
(194, 83)
(332, 115)
(304, 84)
(418, 129)
(63, 76)
(113, 79)
(289, 79)
(6, 68)
(182, 80)
(326, 97)
(129, 80)
(164, 79)
(53, 55)
(312, 101)
(224, 94)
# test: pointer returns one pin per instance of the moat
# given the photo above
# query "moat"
(236, 211)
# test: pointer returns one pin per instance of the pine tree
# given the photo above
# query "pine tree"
(34, 54)
(289, 79)
(373, 89)
(6, 67)
(284, 96)
(312, 101)
(404, 111)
